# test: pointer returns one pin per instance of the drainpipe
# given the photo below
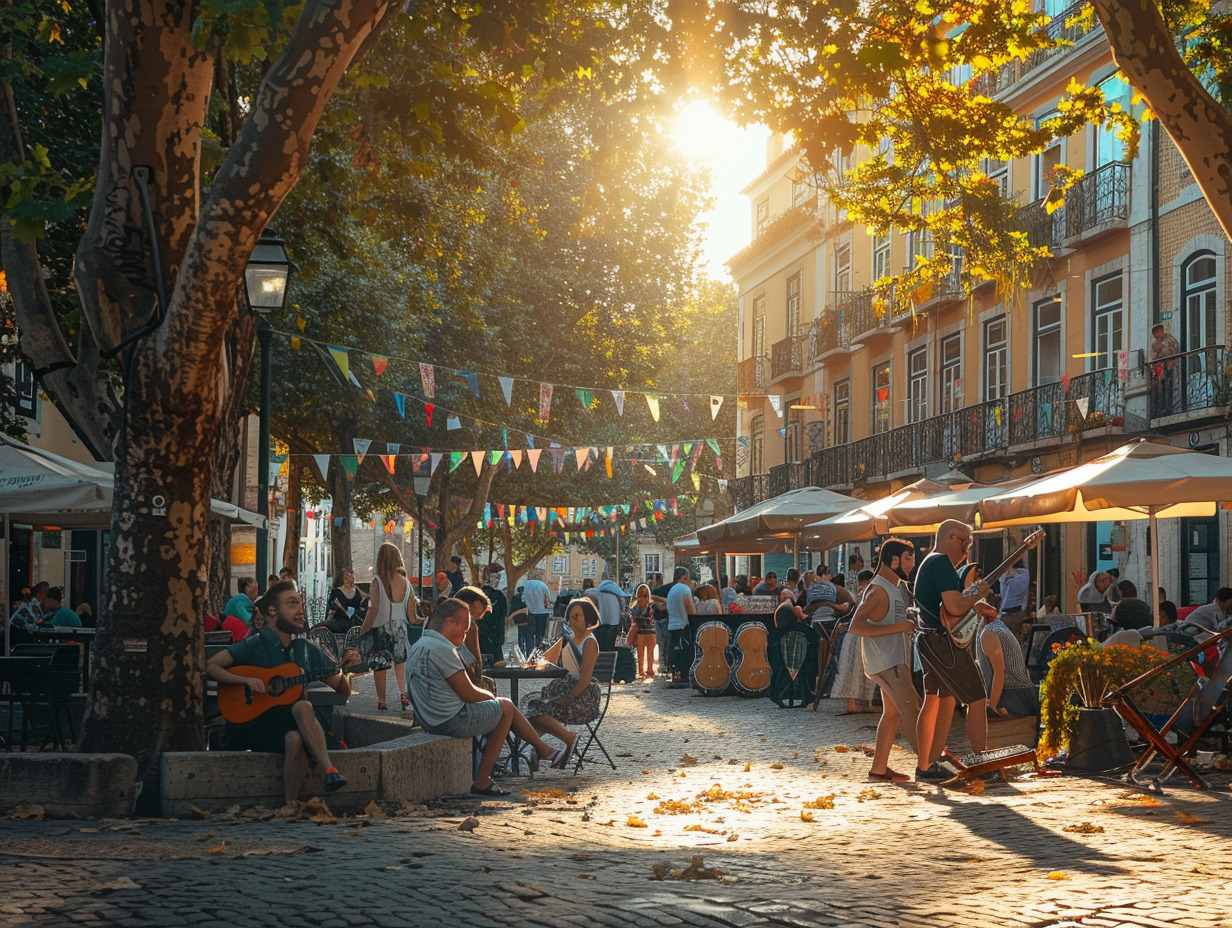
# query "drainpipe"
(1155, 301)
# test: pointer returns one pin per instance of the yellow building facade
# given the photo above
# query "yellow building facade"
(990, 385)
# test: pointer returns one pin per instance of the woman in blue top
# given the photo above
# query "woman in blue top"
(574, 698)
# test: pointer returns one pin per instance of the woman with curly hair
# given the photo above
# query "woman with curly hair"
(574, 698)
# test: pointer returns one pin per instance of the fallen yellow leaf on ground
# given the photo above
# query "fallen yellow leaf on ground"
(372, 810)
(1086, 828)
(821, 802)
(776, 766)
(1057, 875)
(748, 765)
(218, 850)
(1189, 818)
(806, 816)
(635, 822)
(470, 823)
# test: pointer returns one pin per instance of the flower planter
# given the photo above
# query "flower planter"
(1099, 743)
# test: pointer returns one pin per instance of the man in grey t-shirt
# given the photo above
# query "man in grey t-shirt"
(448, 703)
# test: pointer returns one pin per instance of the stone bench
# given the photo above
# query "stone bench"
(384, 760)
(69, 785)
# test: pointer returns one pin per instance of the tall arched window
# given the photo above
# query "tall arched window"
(756, 447)
(1199, 318)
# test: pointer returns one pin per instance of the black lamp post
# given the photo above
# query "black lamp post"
(421, 490)
(265, 280)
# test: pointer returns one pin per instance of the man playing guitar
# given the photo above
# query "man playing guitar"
(950, 672)
(293, 730)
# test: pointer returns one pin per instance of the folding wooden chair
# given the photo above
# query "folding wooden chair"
(1156, 739)
(605, 669)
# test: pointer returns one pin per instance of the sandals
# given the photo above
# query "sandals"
(382, 706)
(890, 776)
(560, 759)
(406, 701)
(490, 792)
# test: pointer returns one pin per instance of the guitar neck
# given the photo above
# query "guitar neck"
(1009, 562)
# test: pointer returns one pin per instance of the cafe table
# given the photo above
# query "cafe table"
(515, 675)
(67, 635)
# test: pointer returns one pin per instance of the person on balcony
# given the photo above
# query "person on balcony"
(1164, 351)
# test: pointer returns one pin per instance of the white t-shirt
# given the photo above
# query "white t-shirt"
(537, 596)
(432, 661)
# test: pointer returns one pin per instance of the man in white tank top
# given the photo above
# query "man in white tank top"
(883, 626)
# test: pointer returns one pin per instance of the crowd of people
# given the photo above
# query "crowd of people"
(41, 607)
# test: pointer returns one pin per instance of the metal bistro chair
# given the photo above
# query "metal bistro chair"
(324, 639)
(605, 669)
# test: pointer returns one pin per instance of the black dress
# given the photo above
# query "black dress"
(339, 621)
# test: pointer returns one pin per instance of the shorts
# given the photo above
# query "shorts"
(949, 671)
(898, 690)
(268, 733)
(474, 718)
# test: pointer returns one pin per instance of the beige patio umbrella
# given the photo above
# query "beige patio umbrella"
(923, 514)
(871, 519)
(1140, 480)
(786, 515)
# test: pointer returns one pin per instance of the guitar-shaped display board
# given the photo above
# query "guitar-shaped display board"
(284, 686)
(962, 628)
(751, 668)
(711, 672)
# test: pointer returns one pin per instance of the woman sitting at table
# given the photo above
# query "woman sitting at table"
(574, 698)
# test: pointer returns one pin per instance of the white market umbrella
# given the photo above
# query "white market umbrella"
(871, 519)
(1140, 480)
(786, 514)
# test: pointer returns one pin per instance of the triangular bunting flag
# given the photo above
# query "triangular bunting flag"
(453, 422)
(653, 403)
(477, 460)
(723, 487)
(472, 381)
(435, 458)
(716, 403)
(697, 480)
(495, 456)
(392, 447)
(516, 457)
(353, 379)
(619, 397)
(388, 460)
(506, 384)
(340, 358)
(782, 432)
(532, 455)
(350, 464)
(776, 402)
(585, 397)
(361, 447)
(608, 463)
(582, 455)
(379, 364)
(455, 460)
(322, 465)
(427, 379)
(714, 446)
(545, 401)
(697, 453)
(400, 402)
(429, 408)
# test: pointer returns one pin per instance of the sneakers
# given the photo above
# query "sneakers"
(933, 774)
(334, 781)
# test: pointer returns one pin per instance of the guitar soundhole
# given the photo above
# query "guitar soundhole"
(276, 686)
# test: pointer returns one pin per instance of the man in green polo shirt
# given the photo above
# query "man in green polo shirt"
(240, 605)
(294, 730)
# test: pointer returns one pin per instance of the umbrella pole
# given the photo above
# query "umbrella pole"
(795, 552)
(5, 592)
(1154, 529)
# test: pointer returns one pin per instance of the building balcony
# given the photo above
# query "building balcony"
(1097, 203)
(1052, 412)
(753, 374)
(1194, 385)
(1064, 35)
(823, 336)
(787, 357)
(746, 491)
(790, 476)
(857, 317)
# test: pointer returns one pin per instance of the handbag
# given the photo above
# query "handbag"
(376, 646)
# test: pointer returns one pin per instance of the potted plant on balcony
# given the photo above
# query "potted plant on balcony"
(1073, 715)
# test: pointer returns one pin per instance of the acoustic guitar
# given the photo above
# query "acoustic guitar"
(711, 670)
(751, 668)
(962, 628)
(284, 686)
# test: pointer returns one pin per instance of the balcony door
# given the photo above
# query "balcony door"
(1199, 322)
(1049, 362)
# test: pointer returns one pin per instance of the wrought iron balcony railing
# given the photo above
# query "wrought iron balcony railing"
(1190, 382)
(786, 357)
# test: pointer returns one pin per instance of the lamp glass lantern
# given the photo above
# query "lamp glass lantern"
(267, 274)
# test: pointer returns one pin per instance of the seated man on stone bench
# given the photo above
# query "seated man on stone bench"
(448, 703)
(292, 730)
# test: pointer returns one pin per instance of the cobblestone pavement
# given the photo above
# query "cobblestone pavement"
(774, 800)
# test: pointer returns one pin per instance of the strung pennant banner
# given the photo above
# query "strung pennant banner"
(776, 402)
(453, 422)
(477, 460)
(506, 385)
(389, 461)
(472, 381)
(585, 397)
(532, 455)
(545, 401)
(495, 456)
(516, 458)
(379, 364)
(427, 379)
(455, 460)
(653, 403)
(618, 396)
(723, 487)
(350, 464)
(429, 408)
(435, 458)
(608, 463)
(361, 447)
(716, 403)
(392, 447)
(322, 465)
(697, 480)
(400, 402)
(341, 359)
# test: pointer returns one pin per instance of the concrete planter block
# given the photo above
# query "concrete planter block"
(69, 785)
(421, 767)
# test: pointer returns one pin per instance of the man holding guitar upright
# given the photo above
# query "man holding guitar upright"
(289, 725)
(950, 672)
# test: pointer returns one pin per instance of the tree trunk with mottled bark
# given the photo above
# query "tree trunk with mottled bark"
(294, 515)
(147, 670)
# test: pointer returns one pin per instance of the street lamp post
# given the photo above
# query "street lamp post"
(421, 490)
(265, 282)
